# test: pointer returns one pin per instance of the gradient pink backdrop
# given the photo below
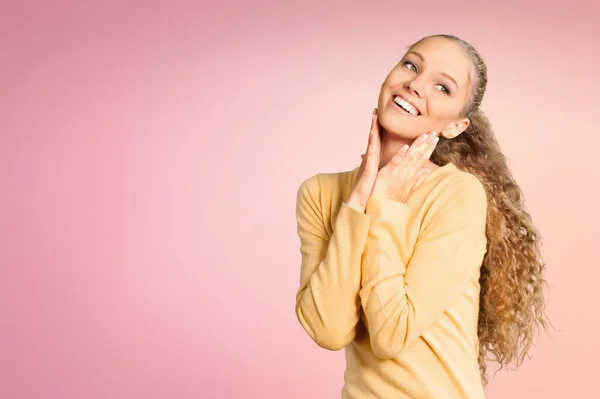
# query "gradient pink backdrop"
(150, 154)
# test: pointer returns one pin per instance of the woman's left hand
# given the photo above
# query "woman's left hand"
(406, 170)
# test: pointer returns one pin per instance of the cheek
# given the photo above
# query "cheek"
(384, 93)
(391, 83)
(443, 109)
(395, 77)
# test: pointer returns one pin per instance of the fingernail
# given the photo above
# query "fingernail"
(374, 111)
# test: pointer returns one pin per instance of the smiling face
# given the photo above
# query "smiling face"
(427, 91)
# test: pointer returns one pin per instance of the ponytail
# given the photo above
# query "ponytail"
(512, 282)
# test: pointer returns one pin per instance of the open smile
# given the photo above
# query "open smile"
(405, 106)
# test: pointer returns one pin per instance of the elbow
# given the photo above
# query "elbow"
(331, 341)
(384, 352)
(332, 336)
(387, 346)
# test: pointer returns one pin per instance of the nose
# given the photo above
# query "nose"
(415, 86)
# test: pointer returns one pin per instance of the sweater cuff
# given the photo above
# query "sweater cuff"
(352, 217)
(388, 210)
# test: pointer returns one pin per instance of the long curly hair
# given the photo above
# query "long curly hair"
(512, 303)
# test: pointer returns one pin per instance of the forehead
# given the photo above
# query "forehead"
(445, 56)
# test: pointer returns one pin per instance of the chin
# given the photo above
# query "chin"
(401, 126)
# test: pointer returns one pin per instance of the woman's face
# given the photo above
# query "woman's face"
(426, 91)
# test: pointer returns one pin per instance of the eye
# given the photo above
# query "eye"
(444, 88)
(410, 66)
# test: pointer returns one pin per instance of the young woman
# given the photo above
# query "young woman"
(422, 262)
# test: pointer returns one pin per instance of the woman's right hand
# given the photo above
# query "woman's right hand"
(368, 170)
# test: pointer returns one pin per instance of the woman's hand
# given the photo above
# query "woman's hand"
(406, 170)
(367, 173)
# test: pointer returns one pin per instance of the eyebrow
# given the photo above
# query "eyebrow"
(419, 55)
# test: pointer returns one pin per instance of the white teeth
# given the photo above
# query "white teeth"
(406, 106)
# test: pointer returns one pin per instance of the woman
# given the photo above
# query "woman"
(422, 262)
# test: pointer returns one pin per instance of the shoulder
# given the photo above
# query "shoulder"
(457, 184)
(315, 197)
(455, 189)
(324, 184)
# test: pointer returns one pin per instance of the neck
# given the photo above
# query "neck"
(390, 145)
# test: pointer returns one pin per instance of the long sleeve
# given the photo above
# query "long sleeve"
(405, 290)
(327, 302)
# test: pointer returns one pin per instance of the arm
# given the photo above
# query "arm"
(327, 302)
(404, 294)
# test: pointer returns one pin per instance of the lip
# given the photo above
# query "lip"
(408, 100)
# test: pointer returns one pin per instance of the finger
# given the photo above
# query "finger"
(427, 140)
(432, 145)
(417, 145)
(422, 173)
(397, 159)
(422, 139)
(369, 139)
(372, 159)
(377, 139)
(419, 148)
(418, 179)
(372, 133)
(374, 147)
(373, 128)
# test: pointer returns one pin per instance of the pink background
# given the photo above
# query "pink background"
(150, 154)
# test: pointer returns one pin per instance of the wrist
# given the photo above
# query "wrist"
(356, 204)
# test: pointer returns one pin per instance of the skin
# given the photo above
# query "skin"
(434, 76)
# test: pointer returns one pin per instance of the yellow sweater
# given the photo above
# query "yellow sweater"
(396, 286)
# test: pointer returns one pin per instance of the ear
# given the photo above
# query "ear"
(455, 128)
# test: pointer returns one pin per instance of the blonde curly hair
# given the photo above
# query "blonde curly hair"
(512, 304)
